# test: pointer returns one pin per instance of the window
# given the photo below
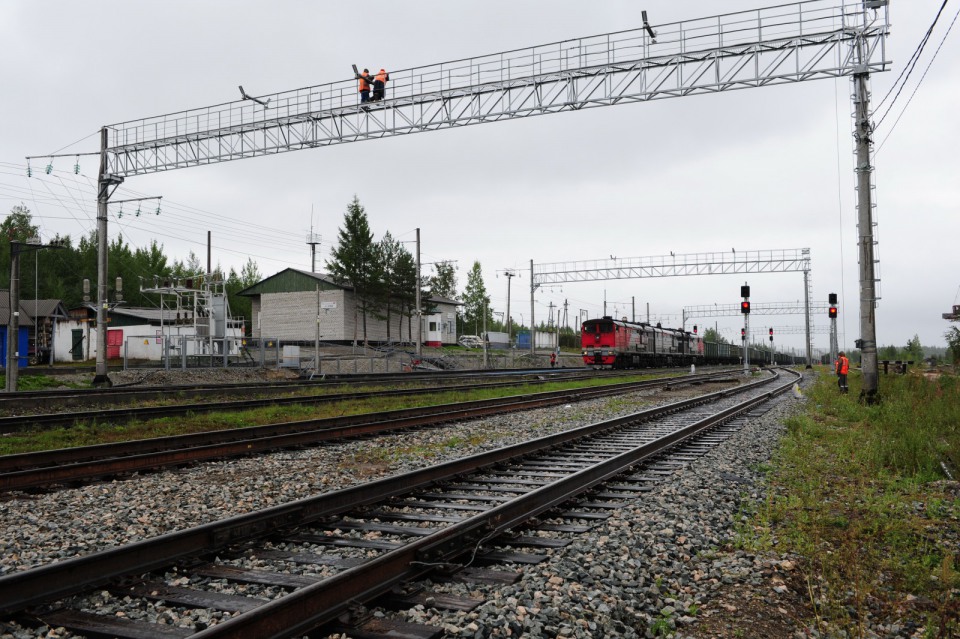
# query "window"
(433, 326)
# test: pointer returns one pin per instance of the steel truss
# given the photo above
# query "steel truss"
(772, 261)
(777, 45)
(769, 308)
(788, 330)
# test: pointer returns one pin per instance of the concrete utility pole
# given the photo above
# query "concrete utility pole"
(806, 316)
(533, 331)
(13, 324)
(509, 275)
(864, 170)
(419, 311)
(104, 182)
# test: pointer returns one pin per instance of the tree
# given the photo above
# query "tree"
(405, 282)
(475, 300)
(355, 262)
(953, 343)
(711, 335)
(913, 351)
(388, 250)
(444, 280)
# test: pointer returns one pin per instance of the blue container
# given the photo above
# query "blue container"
(22, 349)
(523, 340)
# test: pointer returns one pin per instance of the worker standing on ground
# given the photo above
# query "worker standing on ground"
(380, 85)
(553, 359)
(842, 367)
(365, 82)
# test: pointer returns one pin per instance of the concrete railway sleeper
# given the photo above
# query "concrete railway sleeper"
(370, 540)
(32, 470)
(20, 421)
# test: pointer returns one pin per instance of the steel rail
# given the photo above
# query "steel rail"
(313, 605)
(19, 423)
(31, 470)
(79, 396)
(56, 580)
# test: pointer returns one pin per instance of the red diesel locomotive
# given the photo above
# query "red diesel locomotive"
(610, 343)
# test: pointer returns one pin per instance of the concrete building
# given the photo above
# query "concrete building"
(293, 304)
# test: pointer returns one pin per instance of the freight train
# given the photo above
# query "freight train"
(610, 343)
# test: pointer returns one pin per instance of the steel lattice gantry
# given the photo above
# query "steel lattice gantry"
(769, 308)
(772, 261)
(777, 45)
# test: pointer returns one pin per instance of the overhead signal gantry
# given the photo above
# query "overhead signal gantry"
(764, 47)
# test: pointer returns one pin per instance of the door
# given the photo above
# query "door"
(114, 342)
(76, 344)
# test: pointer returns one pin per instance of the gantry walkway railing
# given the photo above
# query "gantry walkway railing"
(718, 263)
(784, 44)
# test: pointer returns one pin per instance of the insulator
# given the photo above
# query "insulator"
(158, 210)
(29, 171)
(50, 168)
(138, 211)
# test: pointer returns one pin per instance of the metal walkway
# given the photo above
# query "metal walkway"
(778, 45)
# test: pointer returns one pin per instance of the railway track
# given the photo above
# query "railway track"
(87, 463)
(307, 562)
(62, 406)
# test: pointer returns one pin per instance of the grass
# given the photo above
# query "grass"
(86, 434)
(858, 492)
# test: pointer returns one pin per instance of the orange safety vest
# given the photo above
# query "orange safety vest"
(843, 366)
(365, 82)
(383, 76)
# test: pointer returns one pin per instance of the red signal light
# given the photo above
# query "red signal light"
(833, 312)
(743, 333)
(694, 329)
(744, 307)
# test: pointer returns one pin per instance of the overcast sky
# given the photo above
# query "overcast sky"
(756, 169)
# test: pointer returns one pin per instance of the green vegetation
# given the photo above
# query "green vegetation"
(98, 433)
(860, 494)
(39, 382)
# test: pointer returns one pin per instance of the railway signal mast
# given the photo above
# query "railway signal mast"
(832, 314)
(745, 310)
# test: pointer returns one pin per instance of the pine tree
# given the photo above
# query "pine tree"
(405, 282)
(355, 262)
(475, 299)
(444, 280)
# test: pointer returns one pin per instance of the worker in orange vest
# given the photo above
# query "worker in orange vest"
(842, 367)
(380, 85)
(365, 82)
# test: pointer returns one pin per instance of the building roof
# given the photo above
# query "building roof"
(30, 309)
(292, 280)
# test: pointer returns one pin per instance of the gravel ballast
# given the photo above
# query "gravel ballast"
(656, 566)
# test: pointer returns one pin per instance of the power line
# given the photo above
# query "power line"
(911, 64)
(922, 77)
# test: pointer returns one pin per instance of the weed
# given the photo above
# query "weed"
(853, 492)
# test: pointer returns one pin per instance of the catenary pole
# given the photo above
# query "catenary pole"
(533, 332)
(103, 195)
(13, 326)
(419, 312)
(864, 171)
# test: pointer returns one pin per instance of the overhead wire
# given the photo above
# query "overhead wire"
(911, 64)
(181, 214)
(919, 82)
